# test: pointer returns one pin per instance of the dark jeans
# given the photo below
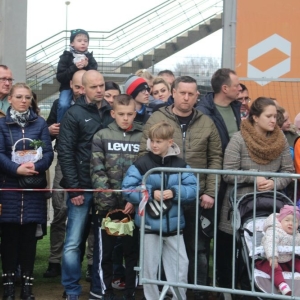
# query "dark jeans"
(117, 257)
(18, 246)
(203, 243)
(224, 259)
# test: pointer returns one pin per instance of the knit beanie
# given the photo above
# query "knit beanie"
(135, 84)
(76, 32)
(288, 210)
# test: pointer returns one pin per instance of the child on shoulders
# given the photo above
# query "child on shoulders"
(77, 58)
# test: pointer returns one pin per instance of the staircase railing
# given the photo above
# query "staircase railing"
(127, 42)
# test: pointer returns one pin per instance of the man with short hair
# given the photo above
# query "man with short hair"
(6, 82)
(167, 75)
(221, 106)
(58, 224)
(89, 114)
(244, 99)
(200, 145)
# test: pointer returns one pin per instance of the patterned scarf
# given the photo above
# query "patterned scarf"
(262, 149)
(72, 50)
(20, 117)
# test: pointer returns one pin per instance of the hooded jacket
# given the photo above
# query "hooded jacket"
(66, 68)
(80, 123)
(281, 239)
(22, 207)
(208, 107)
(200, 145)
(188, 188)
(113, 152)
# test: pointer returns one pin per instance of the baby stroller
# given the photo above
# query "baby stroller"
(249, 240)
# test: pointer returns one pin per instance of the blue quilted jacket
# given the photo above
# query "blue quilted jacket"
(187, 192)
(22, 207)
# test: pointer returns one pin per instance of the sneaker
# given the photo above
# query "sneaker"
(93, 296)
(88, 273)
(118, 284)
(285, 289)
(54, 270)
(72, 297)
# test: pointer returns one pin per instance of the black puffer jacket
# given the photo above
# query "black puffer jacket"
(207, 106)
(66, 68)
(77, 129)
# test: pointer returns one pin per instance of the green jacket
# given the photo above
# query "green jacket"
(200, 146)
(113, 152)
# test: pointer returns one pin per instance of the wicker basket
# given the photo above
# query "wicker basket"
(111, 225)
(24, 156)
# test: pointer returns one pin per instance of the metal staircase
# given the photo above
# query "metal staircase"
(139, 43)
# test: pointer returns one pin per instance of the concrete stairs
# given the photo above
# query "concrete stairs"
(171, 47)
(154, 56)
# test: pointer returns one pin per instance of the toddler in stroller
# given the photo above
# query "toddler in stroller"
(286, 235)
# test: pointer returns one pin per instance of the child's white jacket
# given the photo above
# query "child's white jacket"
(282, 239)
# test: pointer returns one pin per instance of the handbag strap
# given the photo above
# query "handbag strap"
(11, 138)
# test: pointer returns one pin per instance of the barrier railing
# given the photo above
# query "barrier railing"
(274, 198)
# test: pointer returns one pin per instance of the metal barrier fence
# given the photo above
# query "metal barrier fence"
(237, 222)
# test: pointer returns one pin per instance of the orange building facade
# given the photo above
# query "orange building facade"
(268, 50)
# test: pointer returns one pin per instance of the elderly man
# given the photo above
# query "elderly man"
(89, 114)
(6, 81)
(200, 145)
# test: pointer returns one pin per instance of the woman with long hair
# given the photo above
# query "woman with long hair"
(259, 146)
(22, 211)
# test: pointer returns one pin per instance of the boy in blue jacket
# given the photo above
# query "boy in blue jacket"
(162, 153)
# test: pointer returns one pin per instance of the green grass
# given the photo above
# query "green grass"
(41, 260)
(50, 288)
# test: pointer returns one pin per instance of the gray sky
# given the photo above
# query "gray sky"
(98, 15)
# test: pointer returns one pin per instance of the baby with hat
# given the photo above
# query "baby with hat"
(286, 234)
(76, 58)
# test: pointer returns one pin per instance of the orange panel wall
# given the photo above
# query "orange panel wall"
(268, 45)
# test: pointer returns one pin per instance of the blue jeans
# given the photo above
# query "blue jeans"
(64, 102)
(71, 259)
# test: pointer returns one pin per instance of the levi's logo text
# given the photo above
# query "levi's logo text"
(113, 146)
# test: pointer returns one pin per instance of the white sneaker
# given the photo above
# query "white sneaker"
(285, 289)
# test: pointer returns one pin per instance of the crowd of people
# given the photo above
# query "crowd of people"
(108, 140)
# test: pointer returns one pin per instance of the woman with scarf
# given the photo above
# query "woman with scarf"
(259, 146)
(21, 212)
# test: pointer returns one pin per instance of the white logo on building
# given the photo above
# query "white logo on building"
(273, 41)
